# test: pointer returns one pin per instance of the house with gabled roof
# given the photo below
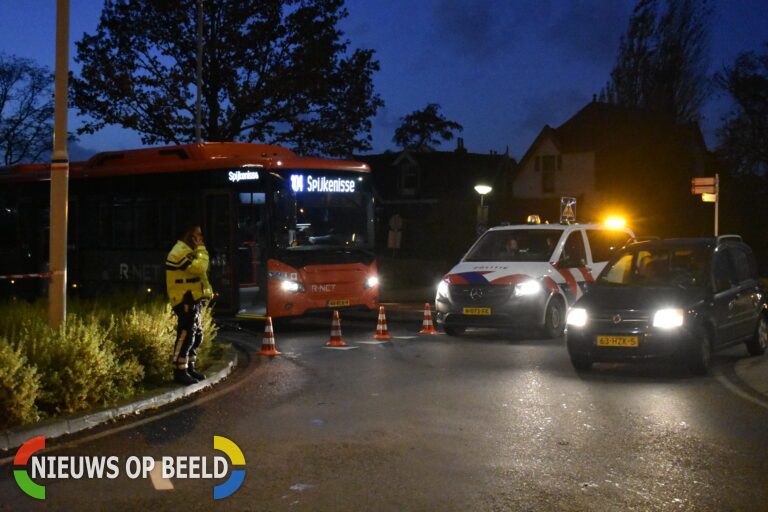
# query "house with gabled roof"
(616, 160)
(433, 194)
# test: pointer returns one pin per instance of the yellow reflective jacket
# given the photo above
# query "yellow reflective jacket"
(186, 271)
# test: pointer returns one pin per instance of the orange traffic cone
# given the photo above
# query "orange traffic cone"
(268, 341)
(382, 333)
(336, 340)
(426, 326)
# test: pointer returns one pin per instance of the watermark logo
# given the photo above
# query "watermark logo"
(21, 475)
(236, 478)
(180, 467)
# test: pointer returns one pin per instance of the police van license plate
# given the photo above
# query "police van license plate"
(477, 311)
(338, 303)
(618, 341)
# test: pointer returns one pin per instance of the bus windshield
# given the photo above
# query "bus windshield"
(323, 209)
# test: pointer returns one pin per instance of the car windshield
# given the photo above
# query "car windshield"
(683, 267)
(515, 245)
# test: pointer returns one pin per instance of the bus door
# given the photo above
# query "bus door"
(251, 259)
(217, 233)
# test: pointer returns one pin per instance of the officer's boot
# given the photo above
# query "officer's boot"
(194, 373)
(183, 378)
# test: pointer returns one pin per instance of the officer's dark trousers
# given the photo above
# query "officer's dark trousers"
(189, 334)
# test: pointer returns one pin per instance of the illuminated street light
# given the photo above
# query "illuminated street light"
(482, 211)
(482, 190)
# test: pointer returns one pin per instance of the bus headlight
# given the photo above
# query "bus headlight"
(371, 282)
(577, 317)
(668, 318)
(292, 286)
(530, 287)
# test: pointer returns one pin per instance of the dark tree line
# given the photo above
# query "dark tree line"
(275, 71)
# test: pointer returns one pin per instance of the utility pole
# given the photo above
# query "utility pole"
(199, 76)
(57, 290)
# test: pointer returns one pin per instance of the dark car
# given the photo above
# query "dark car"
(680, 298)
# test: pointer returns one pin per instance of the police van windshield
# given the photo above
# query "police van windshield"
(317, 209)
(682, 267)
(515, 245)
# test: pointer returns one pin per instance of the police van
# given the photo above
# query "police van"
(524, 276)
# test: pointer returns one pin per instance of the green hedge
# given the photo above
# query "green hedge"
(109, 350)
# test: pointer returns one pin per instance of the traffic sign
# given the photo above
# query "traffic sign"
(707, 185)
(703, 189)
(567, 210)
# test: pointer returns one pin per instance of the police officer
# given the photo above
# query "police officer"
(186, 278)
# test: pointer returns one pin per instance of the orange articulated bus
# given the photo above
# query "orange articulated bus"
(287, 235)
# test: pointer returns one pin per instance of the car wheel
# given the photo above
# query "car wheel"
(554, 319)
(759, 342)
(698, 358)
(454, 330)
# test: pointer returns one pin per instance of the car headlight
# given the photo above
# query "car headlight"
(292, 286)
(371, 282)
(577, 317)
(442, 289)
(668, 318)
(529, 287)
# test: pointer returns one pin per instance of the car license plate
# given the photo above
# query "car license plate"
(477, 311)
(618, 341)
(338, 303)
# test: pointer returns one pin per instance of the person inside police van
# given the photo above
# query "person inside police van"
(512, 245)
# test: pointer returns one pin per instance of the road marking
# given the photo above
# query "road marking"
(735, 389)
(341, 348)
(160, 483)
(372, 342)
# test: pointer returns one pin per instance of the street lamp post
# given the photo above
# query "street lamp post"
(482, 210)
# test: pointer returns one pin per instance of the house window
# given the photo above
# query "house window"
(409, 180)
(548, 166)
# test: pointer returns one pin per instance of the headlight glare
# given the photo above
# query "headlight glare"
(291, 286)
(442, 289)
(530, 287)
(371, 282)
(668, 318)
(577, 317)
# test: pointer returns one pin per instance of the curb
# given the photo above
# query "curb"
(70, 424)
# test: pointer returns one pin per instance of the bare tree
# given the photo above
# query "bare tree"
(26, 110)
(661, 65)
(744, 132)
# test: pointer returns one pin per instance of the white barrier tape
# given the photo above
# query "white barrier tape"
(25, 276)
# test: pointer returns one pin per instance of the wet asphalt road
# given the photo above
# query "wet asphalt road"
(480, 422)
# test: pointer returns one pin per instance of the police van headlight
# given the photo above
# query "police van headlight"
(442, 289)
(371, 282)
(292, 286)
(530, 287)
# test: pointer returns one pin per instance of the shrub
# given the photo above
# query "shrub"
(19, 386)
(108, 350)
(81, 367)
